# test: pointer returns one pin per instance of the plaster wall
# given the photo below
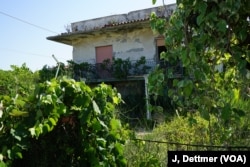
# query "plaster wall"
(87, 25)
(126, 44)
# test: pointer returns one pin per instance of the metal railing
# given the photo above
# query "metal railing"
(124, 70)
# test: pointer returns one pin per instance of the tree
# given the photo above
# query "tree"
(212, 40)
(17, 80)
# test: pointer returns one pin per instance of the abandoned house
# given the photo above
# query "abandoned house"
(119, 50)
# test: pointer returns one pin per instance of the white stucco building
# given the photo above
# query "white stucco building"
(124, 37)
(117, 36)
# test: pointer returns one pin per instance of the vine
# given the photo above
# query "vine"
(206, 35)
(65, 123)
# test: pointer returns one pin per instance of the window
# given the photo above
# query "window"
(160, 44)
(175, 66)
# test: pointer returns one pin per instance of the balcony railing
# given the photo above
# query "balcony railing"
(123, 69)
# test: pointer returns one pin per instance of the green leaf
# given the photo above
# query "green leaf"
(181, 84)
(96, 108)
(48, 99)
(226, 112)
(75, 108)
(192, 121)
(185, 59)
(19, 155)
(115, 124)
(38, 129)
(52, 121)
(96, 125)
(168, 41)
(119, 148)
(81, 100)
(178, 24)
(242, 34)
(222, 26)
(200, 19)
(202, 7)
(15, 152)
(1, 157)
(116, 100)
(39, 114)
(46, 128)
(188, 88)
(192, 56)
(102, 123)
(19, 102)
(61, 109)
(175, 82)
(101, 141)
(32, 131)
(205, 115)
(236, 96)
(85, 117)
(18, 113)
(14, 134)
(207, 101)
(153, 1)
(239, 112)
(2, 164)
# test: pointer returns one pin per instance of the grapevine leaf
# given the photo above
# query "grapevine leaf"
(115, 99)
(32, 131)
(96, 108)
(115, 124)
(18, 113)
(52, 121)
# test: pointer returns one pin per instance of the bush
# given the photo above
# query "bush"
(185, 133)
(64, 123)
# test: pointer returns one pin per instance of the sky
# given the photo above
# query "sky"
(26, 24)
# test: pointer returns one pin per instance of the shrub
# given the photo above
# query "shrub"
(191, 132)
(65, 123)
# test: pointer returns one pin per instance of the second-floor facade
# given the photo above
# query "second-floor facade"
(116, 46)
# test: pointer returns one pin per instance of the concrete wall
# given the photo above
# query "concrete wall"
(126, 43)
(88, 25)
(132, 44)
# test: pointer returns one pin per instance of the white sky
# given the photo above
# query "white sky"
(25, 43)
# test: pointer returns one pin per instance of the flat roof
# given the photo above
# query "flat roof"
(122, 22)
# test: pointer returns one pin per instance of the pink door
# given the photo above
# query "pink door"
(104, 53)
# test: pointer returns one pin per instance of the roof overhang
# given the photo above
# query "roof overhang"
(70, 38)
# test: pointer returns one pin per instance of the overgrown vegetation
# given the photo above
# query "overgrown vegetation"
(211, 39)
(18, 80)
(116, 68)
(64, 123)
(211, 99)
(190, 132)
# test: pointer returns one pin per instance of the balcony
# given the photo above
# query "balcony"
(120, 69)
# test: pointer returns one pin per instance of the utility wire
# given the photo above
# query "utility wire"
(23, 52)
(26, 22)
(28, 53)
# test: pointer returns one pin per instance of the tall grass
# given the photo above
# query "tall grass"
(187, 130)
